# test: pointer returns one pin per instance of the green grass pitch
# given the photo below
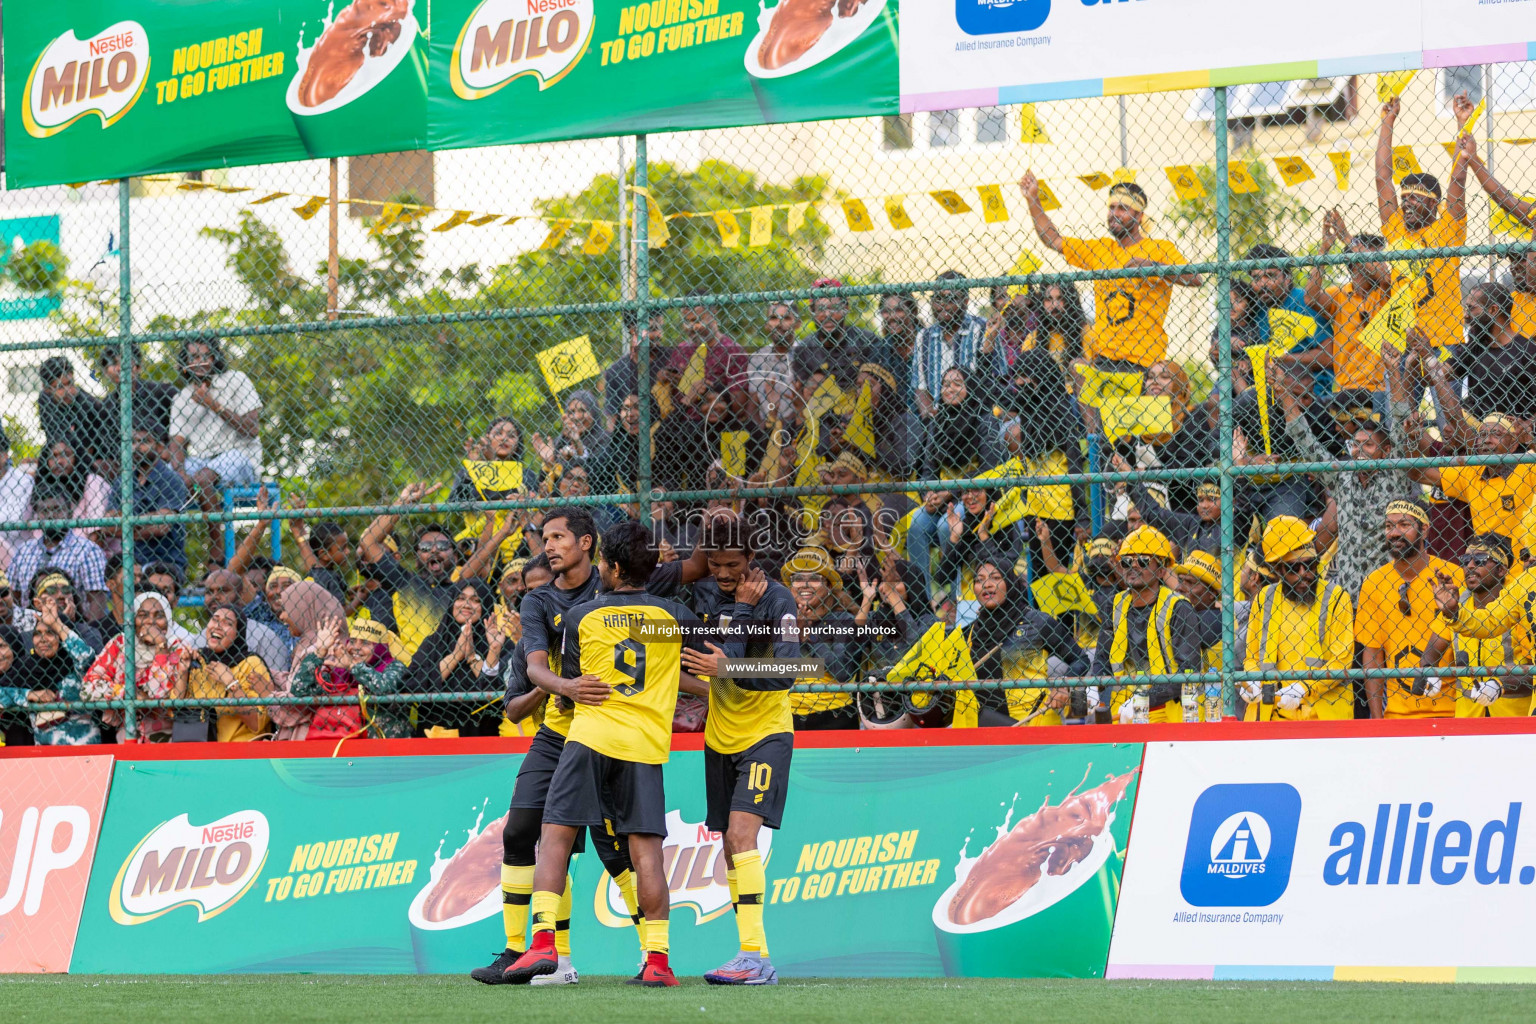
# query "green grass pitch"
(394, 999)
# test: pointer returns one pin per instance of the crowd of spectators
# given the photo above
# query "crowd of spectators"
(1380, 567)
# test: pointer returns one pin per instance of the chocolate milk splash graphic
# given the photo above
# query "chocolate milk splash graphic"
(468, 878)
(1048, 843)
(798, 34)
(365, 29)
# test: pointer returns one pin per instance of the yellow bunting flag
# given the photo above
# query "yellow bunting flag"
(408, 214)
(599, 238)
(557, 230)
(993, 209)
(1391, 323)
(1239, 178)
(733, 453)
(656, 221)
(269, 197)
(693, 373)
(951, 201)
(1502, 222)
(730, 229)
(1340, 161)
(1288, 328)
(1294, 170)
(1031, 131)
(1404, 163)
(313, 206)
(1048, 200)
(761, 227)
(386, 219)
(1475, 117)
(484, 219)
(1185, 182)
(860, 431)
(797, 214)
(568, 363)
(1123, 175)
(1102, 385)
(896, 212)
(1096, 180)
(1518, 142)
(857, 215)
(1136, 417)
(458, 217)
(1392, 83)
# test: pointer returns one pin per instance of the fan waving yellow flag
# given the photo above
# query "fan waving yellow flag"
(1136, 417)
(693, 373)
(1031, 131)
(1392, 322)
(568, 363)
(1287, 328)
(922, 660)
(860, 431)
(1392, 83)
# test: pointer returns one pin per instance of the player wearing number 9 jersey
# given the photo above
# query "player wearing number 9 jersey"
(749, 734)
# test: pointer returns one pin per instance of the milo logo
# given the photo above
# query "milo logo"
(506, 39)
(181, 864)
(102, 75)
(694, 861)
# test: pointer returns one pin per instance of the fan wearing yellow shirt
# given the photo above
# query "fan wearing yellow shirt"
(1349, 307)
(1485, 566)
(1498, 496)
(627, 645)
(1129, 313)
(1420, 222)
(1296, 624)
(1397, 619)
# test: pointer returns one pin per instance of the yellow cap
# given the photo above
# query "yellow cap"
(1287, 539)
(1144, 540)
(1203, 566)
(814, 560)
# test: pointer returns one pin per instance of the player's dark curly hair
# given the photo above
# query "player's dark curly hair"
(578, 520)
(727, 533)
(627, 547)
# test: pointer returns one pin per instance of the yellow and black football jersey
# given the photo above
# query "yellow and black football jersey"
(545, 612)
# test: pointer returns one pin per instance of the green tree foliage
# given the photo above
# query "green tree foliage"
(1260, 216)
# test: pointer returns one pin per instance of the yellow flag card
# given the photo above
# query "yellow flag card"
(1294, 170)
(1058, 593)
(797, 214)
(568, 363)
(857, 215)
(951, 201)
(1404, 163)
(860, 431)
(599, 238)
(761, 231)
(1185, 182)
(1287, 329)
(1476, 116)
(993, 209)
(1031, 132)
(693, 373)
(1240, 179)
(1391, 323)
(896, 212)
(1096, 180)
(733, 453)
(1340, 162)
(1027, 263)
(1136, 417)
(1048, 200)
(729, 227)
(313, 206)
(1392, 83)
(1103, 385)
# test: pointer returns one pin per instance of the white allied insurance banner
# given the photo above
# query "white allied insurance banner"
(962, 53)
(1329, 858)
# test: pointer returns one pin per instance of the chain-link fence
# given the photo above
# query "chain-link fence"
(1167, 407)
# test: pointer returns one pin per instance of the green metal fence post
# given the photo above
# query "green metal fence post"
(1224, 390)
(642, 293)
(125, 446)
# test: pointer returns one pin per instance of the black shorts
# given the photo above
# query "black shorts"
(597, 790)
(532, 785)
(756, 781)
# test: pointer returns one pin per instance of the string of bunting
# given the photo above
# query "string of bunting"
(597, 235)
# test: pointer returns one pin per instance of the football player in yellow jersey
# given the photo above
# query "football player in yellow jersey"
(1485, 566)
(626, 644)
(749, 735)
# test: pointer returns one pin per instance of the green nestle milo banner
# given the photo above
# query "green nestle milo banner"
(110, 88)
(963, 861)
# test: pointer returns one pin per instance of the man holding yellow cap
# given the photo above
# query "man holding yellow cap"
(1485, 566)
(1148, 629)
(1497, 495)
(1297, 625)
(1397, 618)
(1128, 313)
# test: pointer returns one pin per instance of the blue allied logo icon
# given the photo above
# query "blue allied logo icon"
(990, 17)
(1242, 838)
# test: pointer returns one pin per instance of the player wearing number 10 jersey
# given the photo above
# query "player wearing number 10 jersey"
(749, 735)
(610, 770)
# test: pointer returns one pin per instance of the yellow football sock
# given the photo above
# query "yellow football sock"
(730, 881)
(655, 936)
(626, 884)
(516, 894)
(750, 883)
(563, 921)
(546, 911)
